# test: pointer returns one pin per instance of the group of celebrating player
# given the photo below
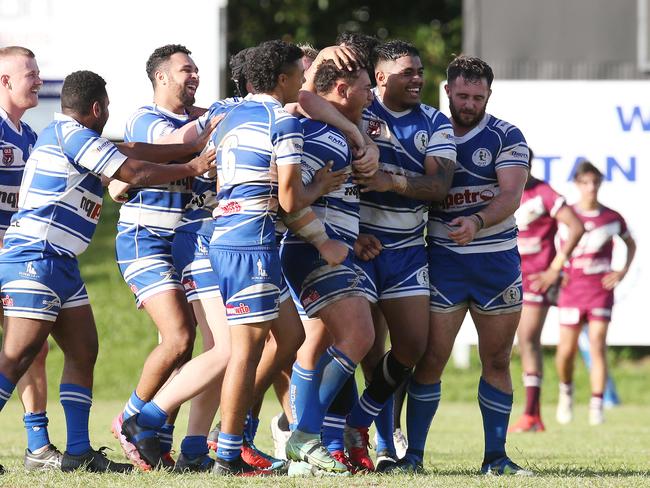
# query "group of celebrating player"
(295, 241)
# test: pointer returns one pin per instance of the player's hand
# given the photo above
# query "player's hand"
(117, 190)
(203, 163)
(333, 251)
(466, 230)
(380, 181)
(367, 163)
(327, 180)
(541, 282)
(367, 247)
(344, 57)
(612, 279)
(202, 139)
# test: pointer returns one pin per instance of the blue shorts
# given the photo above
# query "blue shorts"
(490, 283)
(249, 279)
(314, 282)
(40, 289)
(145, 261)
(191, 254)
(396, 273)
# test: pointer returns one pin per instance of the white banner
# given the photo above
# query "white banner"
(608, 123)
(114, 39)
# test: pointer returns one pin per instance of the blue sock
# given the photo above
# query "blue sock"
(422, 404)
(364, 412)
(36, 427)
(385, 427)
(250, 427)
(166, 436)
(304, 385)
(152, 416)
(133, 406)
(229, 446)
(332, 433)
(76, 401)
(335, 369)
(6, 389)
(495, 408)
(194, 446)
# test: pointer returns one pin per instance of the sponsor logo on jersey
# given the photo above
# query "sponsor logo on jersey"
(374, 128)
(167, 275)
(518, 154)
(512, 295)
(92, 209)
(335, 140)
(421, 140)
(422, 277)
(10, 198)
(133, 288)
(310, 297)
(189, 284)
(7, 301)
(30, 271)
(232, 207)
(467, 197)
(50, 304)
(481, 157)
(240, 309)
(104, 145)
(7, 156)
(261, 272)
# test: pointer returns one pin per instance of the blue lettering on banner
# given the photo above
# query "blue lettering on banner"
(629, 121)
(613, 166)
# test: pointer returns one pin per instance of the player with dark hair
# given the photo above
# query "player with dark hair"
(42, 289)
(538, 217)
(417, 155)
(588, 296)
(474, 265)
(146, 225)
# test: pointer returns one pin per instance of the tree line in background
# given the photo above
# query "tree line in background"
(433, 27)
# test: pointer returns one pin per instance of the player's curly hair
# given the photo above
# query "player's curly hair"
(327, 74)
(237, 64)
(80, 90)
(471, 68)
(268, 61)
(392, 50)
(161, 55)
(586, 167)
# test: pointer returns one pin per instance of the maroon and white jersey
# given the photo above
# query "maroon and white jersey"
(537, 225)
(591, 260)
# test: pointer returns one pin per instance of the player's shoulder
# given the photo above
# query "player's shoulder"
(502, 127)
(433, 114)
(610, 213)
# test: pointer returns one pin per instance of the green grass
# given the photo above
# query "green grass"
(617, 454)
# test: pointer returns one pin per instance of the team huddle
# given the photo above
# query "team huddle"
(297, 225)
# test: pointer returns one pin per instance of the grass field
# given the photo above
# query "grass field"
(616, 454)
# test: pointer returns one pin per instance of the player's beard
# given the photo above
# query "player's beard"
(187, 99)
(458, 116)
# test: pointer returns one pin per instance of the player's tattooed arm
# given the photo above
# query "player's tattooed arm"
(511, 186)
(432, 186)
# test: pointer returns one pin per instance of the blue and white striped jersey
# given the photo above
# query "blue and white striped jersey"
(492, 145)
(16, 144)
(197, 217)
(253, 139)
(61, 192)
(158, 207)
(338, 210)
(404, 139)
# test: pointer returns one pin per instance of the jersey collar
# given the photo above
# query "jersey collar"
(481, 125)
(263, 98)
(397, 115)
(18, 130)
